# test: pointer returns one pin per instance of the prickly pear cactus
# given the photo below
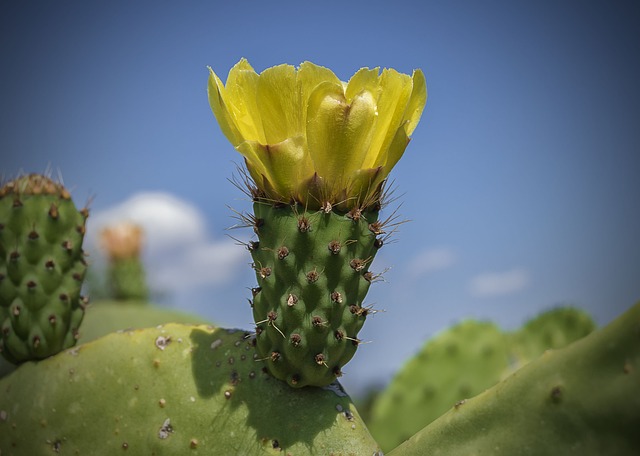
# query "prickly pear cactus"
(583, 399)
(42, 267)
(175, 389)
(313, 275)
(317, 153)
(461, 362)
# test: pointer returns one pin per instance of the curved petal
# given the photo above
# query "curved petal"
(311, 76)
(363, 79)
(285, 164)
(277, 100)
(417, 101)
(394, 95)
(216, 94)
(395, 150)
(252, 156)
(241, 93)
(338, 133)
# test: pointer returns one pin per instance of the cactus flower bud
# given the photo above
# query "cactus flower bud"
(122, 241)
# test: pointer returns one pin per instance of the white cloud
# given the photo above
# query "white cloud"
(431, 260)
(167, 220)
(499, 283)
(177, 251)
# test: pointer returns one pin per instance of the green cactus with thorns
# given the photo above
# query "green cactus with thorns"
(312, 271)
(462, 362)
(317, 153)
(173, 389)
(42, 267)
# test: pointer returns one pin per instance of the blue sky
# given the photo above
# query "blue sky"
(521, 181)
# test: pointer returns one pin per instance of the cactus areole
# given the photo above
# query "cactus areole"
(317, 153)
(42, 267)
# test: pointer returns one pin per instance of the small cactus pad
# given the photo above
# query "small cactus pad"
(583, 399)
(127, 280)
(122, 242)
(313, 274)
(41, 268)
(173, 390)
(462, 362)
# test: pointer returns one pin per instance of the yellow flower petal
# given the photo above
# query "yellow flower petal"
(395, 150)
(309, 137)
(311, 76)
(215, 92)
(395, 90)
(412, 114)
(285, 164)
(417, 101)
(338, 133)
(363, 79)
(278, 101)
(241, 96)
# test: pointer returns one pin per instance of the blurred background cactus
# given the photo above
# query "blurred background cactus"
(123, 291)
(122, 244)
(462, 362)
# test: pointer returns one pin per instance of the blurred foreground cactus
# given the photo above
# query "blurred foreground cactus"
(171, 390)
(317, 153)
(580, 400)
(462, 362)
(42, 267)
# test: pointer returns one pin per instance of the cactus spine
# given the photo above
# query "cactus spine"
(42, 267)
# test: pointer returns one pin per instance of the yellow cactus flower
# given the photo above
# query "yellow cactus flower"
(308, 137)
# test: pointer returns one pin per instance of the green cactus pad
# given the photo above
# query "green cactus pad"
(313, 274)
(556, 328)
(41, 268)
(458, 363)
(106, 316)
(175, 389)
(580, 400)
(462, 362)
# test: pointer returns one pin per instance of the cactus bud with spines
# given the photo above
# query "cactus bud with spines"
(318, 152)
(42, 267)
